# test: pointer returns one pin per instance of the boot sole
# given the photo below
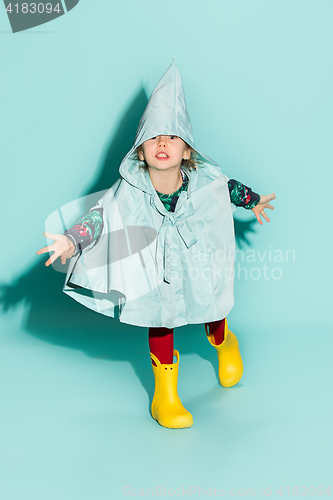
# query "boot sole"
(172, 427)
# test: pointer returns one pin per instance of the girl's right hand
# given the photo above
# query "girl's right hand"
(62, 247)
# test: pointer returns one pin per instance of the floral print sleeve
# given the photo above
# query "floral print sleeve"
(242, 196)
(86, 230)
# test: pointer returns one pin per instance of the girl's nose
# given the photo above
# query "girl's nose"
(161, 140)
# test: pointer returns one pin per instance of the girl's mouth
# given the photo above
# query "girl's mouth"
(162, 156)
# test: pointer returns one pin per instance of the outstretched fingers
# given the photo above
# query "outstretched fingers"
(43, 250)
(48, 248)
(258, 218)
(264, 216)
(51, 236)
(52, 258)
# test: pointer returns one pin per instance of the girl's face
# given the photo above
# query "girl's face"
(164, 152)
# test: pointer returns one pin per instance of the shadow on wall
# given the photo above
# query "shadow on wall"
(57, 319)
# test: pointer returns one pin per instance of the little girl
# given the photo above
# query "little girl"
(157, 250)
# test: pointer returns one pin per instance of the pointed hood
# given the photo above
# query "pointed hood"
(165, 114)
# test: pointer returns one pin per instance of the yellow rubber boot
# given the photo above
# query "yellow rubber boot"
(166, 407)
(229, 358)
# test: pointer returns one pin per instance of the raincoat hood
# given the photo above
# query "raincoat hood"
(165, 114)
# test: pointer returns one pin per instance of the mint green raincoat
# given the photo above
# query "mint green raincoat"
(151, 267)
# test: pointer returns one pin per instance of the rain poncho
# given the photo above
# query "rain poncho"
(151, 267)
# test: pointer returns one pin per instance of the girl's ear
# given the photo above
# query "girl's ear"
(187, 154)
(141, 156)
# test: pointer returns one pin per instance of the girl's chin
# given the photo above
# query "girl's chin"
(160, 166)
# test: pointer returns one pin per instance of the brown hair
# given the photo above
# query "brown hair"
(190, 164)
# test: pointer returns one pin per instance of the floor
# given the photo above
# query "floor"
(75, 421)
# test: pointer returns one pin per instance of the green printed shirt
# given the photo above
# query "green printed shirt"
(90, 226)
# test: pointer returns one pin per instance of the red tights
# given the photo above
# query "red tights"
(161, 340)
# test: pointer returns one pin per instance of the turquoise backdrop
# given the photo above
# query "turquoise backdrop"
(76, 386)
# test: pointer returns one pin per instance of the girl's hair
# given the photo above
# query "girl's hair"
(190, 164)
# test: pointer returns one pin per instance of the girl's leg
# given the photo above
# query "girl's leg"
(166, 406)
(217, 329)
(161, 344)
(229, 357)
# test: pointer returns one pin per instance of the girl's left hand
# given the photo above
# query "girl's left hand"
(263, 203)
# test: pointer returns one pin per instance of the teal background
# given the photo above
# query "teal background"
(76, 387)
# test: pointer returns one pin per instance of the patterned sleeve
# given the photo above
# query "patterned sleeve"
(242, 196)
(86, 230)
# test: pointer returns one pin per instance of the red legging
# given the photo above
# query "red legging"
(161, 340)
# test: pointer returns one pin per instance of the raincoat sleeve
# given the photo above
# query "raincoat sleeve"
(87, 230)
(241, 195)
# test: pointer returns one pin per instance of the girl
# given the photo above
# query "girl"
(157, 250)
